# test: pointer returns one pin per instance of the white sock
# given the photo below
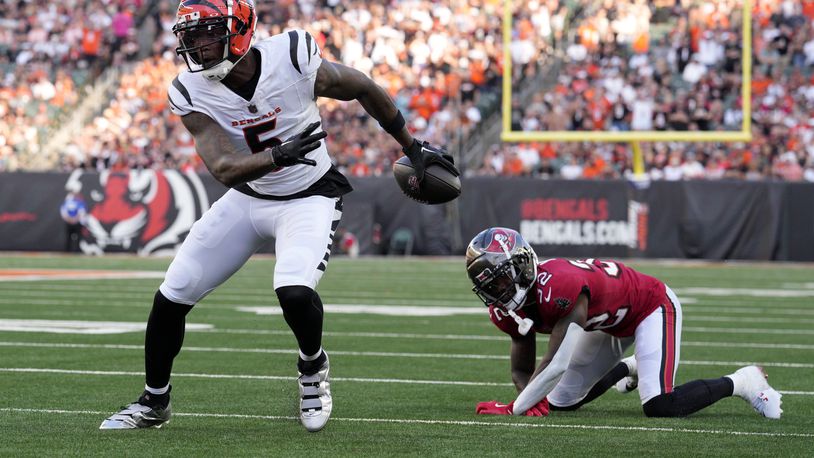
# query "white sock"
(157, 391)
(630, 362)
(737, 384)
(312, 357)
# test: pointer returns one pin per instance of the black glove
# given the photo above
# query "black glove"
(422, 155)
(293, 150)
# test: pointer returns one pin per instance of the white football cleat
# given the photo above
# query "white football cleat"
(315, 399)
(751, 385)
(144, 413)
(631, 382)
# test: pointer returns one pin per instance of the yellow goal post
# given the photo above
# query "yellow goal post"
(632, 137)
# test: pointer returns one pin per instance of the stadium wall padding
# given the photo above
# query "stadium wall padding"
(150, 212)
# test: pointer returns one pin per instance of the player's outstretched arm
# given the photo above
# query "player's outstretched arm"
(523, 355)
(339, 82)
(232, 167)
(564, 337)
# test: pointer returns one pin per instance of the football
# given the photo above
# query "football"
(439, 185)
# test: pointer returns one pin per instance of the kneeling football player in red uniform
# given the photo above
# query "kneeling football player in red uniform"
(594, 310)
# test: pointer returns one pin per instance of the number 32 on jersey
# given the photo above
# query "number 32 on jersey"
(603, 320)
(609, 267)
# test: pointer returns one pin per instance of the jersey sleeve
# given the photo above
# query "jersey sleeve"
(304, 54)
(180, 100)
(503, 321)
(558, 290)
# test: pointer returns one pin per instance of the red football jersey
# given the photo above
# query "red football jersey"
(619, 298)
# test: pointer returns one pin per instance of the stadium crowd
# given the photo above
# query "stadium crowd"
(656, 66)
(630, 65)
(48, 51)
(419, 51)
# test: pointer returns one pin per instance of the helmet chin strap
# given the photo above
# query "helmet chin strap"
(520, 293)
(523, 324)
(218, 72)
(518, 298)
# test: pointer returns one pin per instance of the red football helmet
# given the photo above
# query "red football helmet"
(213, 35)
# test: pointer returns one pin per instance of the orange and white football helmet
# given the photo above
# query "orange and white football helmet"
(213, 35)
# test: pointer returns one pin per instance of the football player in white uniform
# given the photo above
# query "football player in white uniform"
(240, 101)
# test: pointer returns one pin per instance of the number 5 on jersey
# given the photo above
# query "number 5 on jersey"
(258, 138)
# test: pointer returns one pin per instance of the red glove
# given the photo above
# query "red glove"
(538, 410)
(497, 408)
(494, 408)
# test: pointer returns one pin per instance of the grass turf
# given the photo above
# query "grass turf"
(404, 385)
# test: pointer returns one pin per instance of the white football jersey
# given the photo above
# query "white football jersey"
(283, 105)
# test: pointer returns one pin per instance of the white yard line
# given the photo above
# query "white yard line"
(260, 297)
(489, 424)
(750, 292)
(398, 335)
(247, 377)
(692, 291)
(81, 327)
(497, 337)
(691, 317)
(276, 351)
(700, 310)
(279, 377)
(122, 300)
(395, 305)
(769, 346)
(808, 285)
(747, 363)
(290, 351)
(28, 275)
(257, 295)
(388, 310)
(739, 330)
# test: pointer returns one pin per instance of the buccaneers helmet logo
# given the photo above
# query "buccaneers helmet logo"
(142, 211)
(501, 242)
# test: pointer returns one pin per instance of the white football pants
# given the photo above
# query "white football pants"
(236, 226)
(657, 351)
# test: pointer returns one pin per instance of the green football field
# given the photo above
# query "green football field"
(412, 353)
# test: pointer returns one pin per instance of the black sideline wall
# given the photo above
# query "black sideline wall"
(150, 212)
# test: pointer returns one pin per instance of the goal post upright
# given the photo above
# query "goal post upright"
(507, 68)
(746, 69)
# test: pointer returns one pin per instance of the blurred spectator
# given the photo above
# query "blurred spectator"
(348, 243)
(685, 76)
(572, 170)
(422, 51)
(48, 50)
(629, 65)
